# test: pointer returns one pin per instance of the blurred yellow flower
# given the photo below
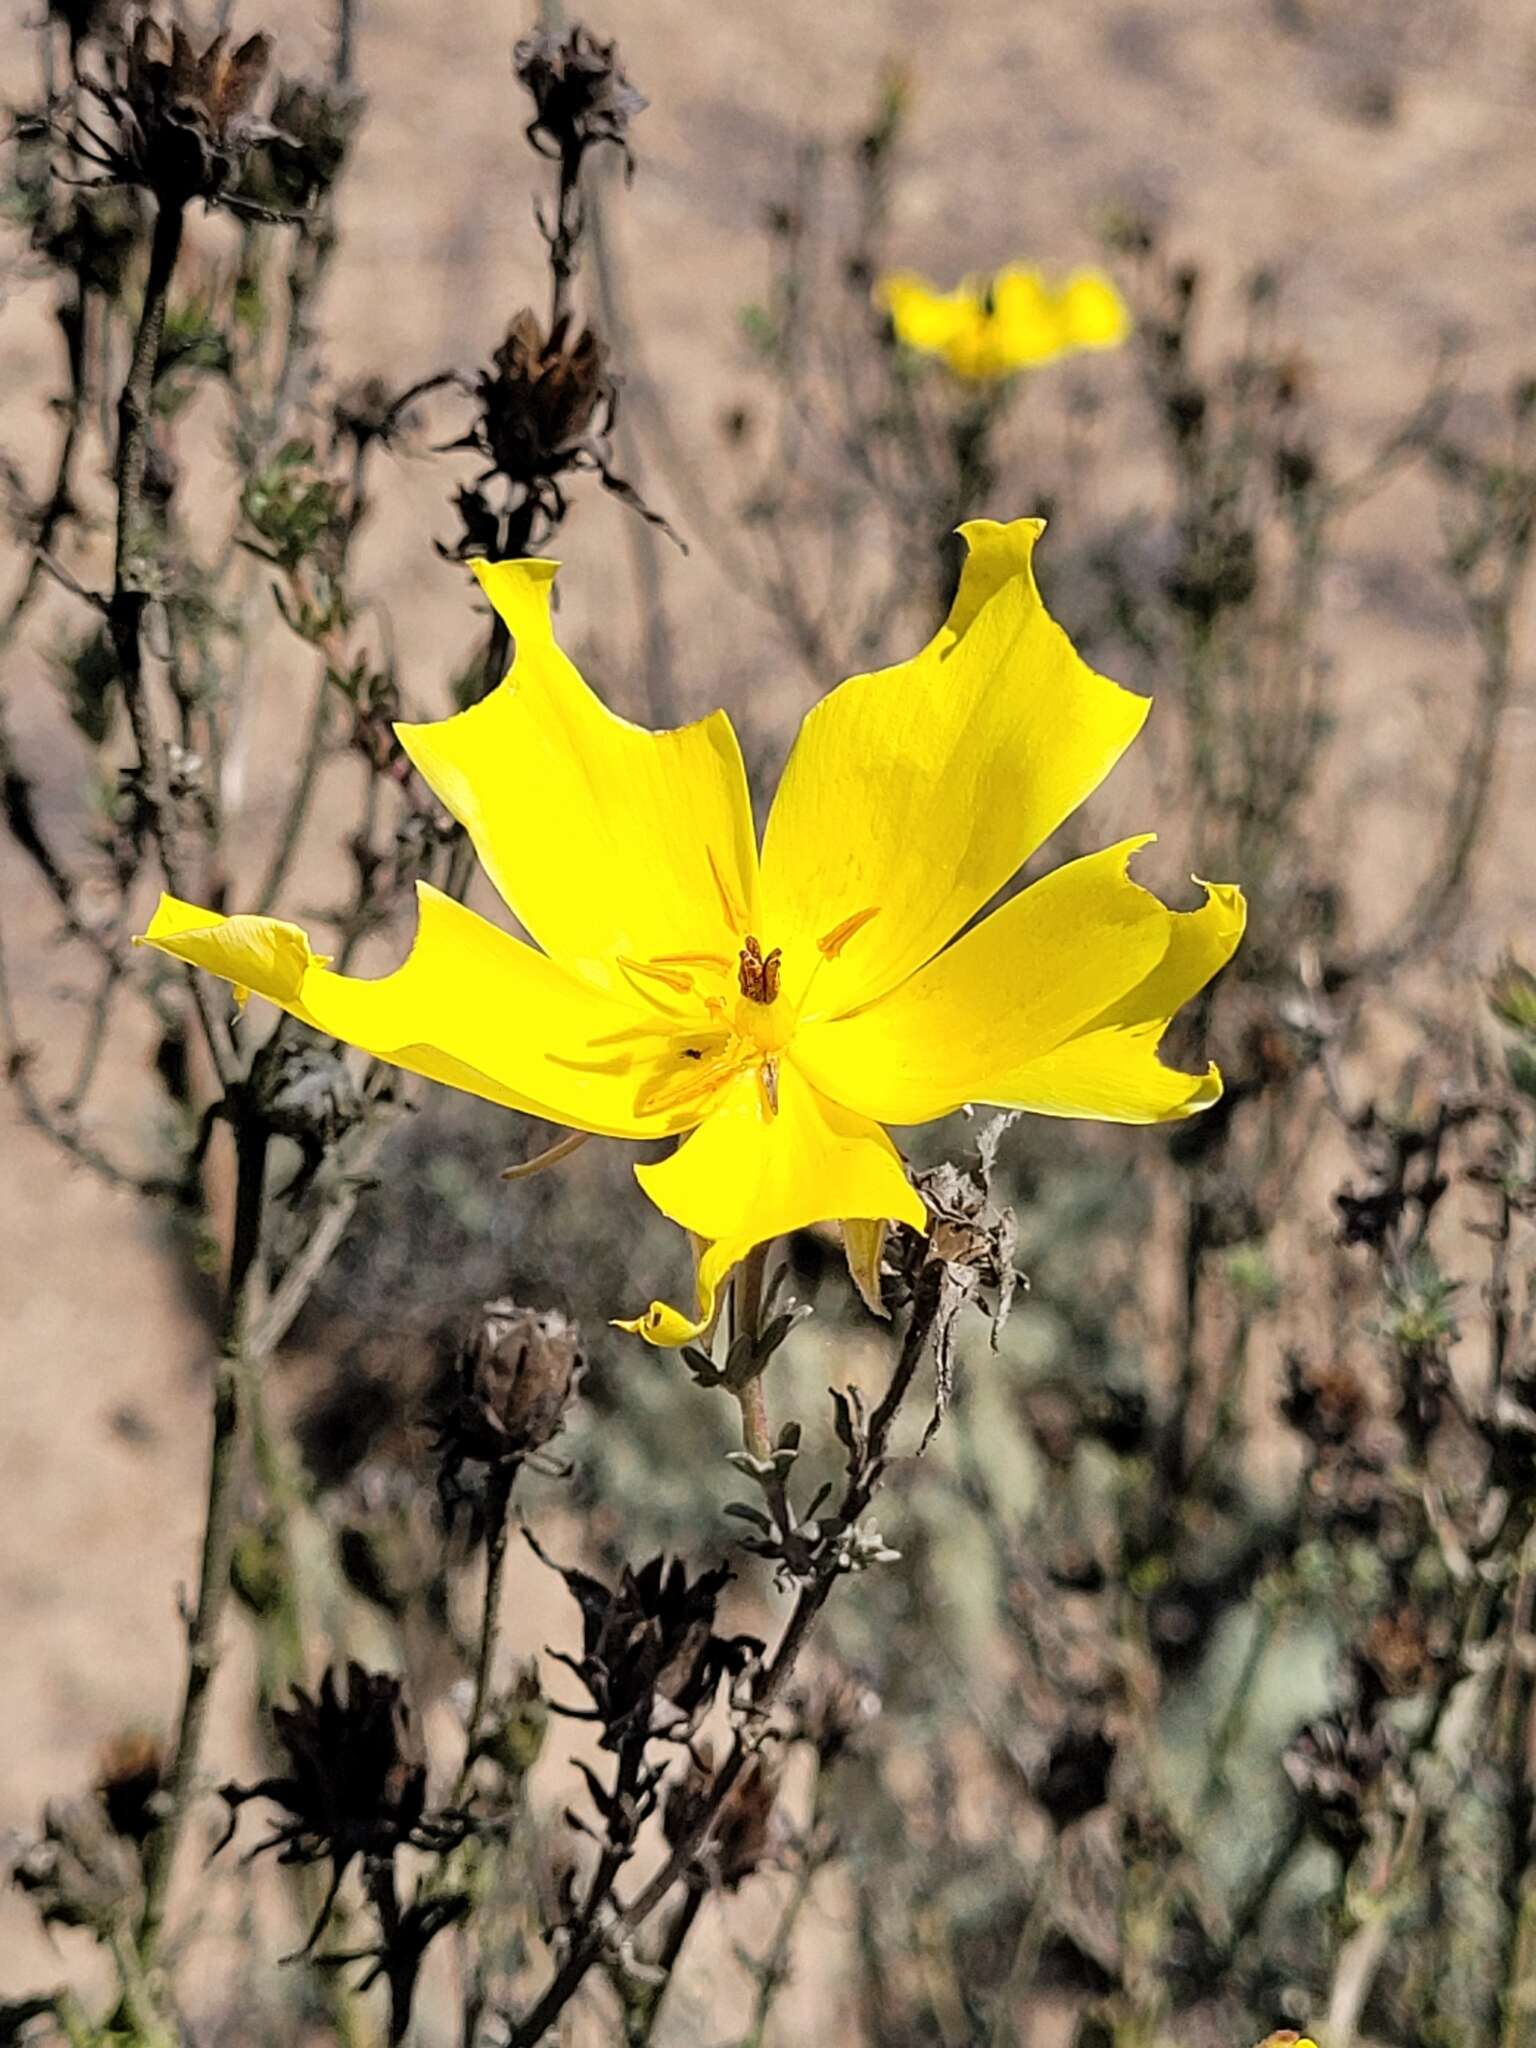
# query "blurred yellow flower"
(990, 327)
(779, 1008)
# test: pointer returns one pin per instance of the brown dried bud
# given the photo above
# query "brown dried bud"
(580, 94)
(741, 1835)
(185, 120)
(131, 1778)
(515, 1375)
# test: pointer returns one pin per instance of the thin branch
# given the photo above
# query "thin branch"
(229, 1413)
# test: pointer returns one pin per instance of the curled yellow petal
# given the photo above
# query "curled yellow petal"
(470, 1006)
(605, 839)
(1110, 1070)
(913, 794)
(969, 1024)
(751, 1172)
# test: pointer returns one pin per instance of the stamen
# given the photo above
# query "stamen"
(707, 1069)
(637, 974)
(550, 1156)
(682, 983)
(717, 960)
(831, 943)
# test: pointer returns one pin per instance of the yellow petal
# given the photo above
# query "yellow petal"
(471, 1006)
(922, 317)
(1093, 313)
(966, 1027)
(749, 1173)
(915, 793)
(1110, 1070)
(1027, 318)
(604, 838)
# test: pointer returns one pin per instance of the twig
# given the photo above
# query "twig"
(229, 1405)
(297, 808)
(498, 1501)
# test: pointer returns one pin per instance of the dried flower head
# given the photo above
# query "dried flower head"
(512, 1382)
(185, 119)
(580, 94)
(356, 1782)
(303, 155)
(546, 409)
(1335, 1765)
(650, 1657)
(541, 400)
(742, 1834)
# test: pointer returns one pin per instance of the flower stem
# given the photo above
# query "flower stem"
(498, 1502)
(229, 1406)
(746, 1321)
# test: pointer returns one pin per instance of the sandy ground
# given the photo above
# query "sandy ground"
(1254, 123)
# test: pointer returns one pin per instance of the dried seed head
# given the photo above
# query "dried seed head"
(542, 400)
(185, 119)
(512, 1382)
(580, 94)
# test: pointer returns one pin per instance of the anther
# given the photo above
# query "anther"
(758, 974)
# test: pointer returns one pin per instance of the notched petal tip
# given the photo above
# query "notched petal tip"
(518, 588)
(663, 1327)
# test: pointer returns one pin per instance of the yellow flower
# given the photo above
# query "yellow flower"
(988, 328)
(779, 1009)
